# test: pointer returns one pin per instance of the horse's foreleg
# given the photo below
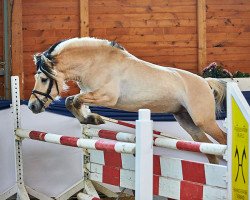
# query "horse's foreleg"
(98, 97)
(82, 112)
(195, 132)
(106, 96)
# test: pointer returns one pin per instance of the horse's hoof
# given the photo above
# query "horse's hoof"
(93, 119)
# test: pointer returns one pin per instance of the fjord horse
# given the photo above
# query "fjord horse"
(110, 76)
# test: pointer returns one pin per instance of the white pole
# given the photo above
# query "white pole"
(21, 193)
(144, 157)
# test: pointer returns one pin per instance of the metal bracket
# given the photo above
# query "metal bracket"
(86, 175)
(86, 159)
(1, 71)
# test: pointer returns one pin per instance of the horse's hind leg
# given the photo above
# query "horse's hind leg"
(203, 116)
(195, 132)
(82, 112)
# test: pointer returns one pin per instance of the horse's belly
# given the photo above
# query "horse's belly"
(167, 105)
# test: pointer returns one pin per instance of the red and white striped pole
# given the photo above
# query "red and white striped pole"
(206, 148)
(126, 124)
(99, 144)
(112, 135)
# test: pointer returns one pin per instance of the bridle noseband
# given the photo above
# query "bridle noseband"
(47, 94)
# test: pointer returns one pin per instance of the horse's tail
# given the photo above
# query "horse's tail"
(219, 90)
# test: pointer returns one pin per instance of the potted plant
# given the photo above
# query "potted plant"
(215, 71)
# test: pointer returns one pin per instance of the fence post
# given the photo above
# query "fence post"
(144, 157)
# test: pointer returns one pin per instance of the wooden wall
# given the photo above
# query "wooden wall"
(228, 33)
(164, 32)
(1, 48)
(159, 31)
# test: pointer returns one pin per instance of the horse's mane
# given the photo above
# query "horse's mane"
(80, 42)
(46, 59)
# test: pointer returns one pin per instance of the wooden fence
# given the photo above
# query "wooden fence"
(186, 34)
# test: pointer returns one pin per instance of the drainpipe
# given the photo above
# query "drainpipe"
(6, 45)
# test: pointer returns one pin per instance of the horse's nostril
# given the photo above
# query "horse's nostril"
(32, 107)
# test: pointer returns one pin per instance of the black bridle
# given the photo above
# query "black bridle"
(52, 80)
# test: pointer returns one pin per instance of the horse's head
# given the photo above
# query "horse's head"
(46, 86)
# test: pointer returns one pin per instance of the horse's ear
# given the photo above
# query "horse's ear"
(37, 58)
(47, 61)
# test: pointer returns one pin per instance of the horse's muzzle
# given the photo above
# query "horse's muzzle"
(35, 107)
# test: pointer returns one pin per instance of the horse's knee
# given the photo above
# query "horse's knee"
(77, 102)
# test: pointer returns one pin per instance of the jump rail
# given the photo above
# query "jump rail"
(206, 148)
(99, 144)
(129, 125)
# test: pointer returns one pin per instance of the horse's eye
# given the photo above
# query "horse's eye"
(44, 80)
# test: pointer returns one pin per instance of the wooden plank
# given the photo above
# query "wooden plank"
(234, 14)
(36, 10)
(84, 18)
(102, 32)
(49, 18)
(228, 2)
(141, 16)
(154, 38)
(150, 51)
(42, 40)
(224, 22)
(141, 3)
(228, 29)
(17, 43)
(227, 43)
(201, 26)
(226, 8)
(48, 1)
(232, 57)
(143, 23)
(145, 9)
(51, 4)
(229, 36)
(228, 50)
(60, 33)
(50, 26)
(192, 43)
